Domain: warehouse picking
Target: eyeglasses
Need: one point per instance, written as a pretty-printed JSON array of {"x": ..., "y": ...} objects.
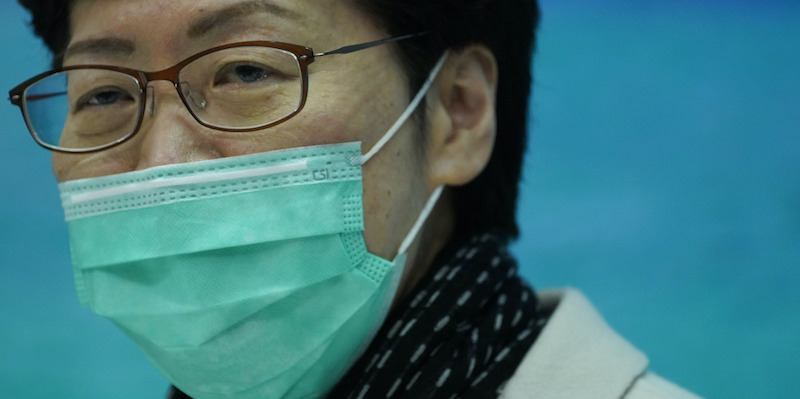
[{"x": 238, "y": 87}]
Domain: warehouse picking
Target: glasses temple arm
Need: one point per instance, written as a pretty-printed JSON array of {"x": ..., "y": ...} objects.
[{"x": 356, "y": 47}]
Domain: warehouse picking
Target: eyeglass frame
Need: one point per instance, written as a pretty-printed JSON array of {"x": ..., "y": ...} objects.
[{"x": 304, "y": 56}]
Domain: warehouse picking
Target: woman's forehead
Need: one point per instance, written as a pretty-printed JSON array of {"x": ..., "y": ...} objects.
[
  {"x": 199, "y": 17},
  {"x": 181, "y": 27}
]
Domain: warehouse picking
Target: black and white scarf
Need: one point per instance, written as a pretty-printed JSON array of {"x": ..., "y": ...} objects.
[{"x": 461, "y": 333}]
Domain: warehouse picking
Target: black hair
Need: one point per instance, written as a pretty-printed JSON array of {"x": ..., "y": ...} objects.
[
  {"x": 506, "y": 27},
  {"x": 50, "y": 21}
]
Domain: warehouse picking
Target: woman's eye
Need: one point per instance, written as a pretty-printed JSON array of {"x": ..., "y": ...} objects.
[
  {"x": 242, "y": 73},
  {"x": 249, "y": 73},
  {"x": 104, "y": 97}
]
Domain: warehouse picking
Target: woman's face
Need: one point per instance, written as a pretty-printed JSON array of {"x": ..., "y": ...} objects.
[{"x": 353, "y": 97}]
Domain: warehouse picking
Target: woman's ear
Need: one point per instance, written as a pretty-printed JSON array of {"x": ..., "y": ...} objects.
[{"x": 462, "y": 116}]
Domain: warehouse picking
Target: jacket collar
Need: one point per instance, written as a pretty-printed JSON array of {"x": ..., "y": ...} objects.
[{"x": 577, "y": 355}]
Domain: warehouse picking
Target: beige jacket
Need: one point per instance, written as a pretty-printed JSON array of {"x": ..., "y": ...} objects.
[{"x": 578, "y": 356}]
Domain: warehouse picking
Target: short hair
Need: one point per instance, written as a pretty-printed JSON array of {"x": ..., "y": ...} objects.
[{"x": 506, "y": 27}]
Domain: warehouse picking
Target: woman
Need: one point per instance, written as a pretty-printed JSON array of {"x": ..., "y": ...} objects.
[{"x": 251, "y": 187}]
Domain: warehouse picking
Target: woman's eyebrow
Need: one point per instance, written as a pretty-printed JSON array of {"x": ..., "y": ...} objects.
[
  {"x": 218, "y": 19},
  {"x": 105, "y": 46}
]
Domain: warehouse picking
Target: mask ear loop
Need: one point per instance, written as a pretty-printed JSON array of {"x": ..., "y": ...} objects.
[
  {"x": 423, "y": 216},
  {"x": 428, "y": 208},
  {"x": 406, "y": 114}
]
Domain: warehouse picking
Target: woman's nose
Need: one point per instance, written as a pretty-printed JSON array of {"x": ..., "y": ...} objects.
[{"x": 169, "y": 134}]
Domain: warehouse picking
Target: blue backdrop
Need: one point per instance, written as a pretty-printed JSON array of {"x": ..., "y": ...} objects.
[{"x": 663, "y": 179}]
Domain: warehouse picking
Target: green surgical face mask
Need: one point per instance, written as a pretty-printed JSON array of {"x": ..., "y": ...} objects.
[{"x": 242, "y": 277}]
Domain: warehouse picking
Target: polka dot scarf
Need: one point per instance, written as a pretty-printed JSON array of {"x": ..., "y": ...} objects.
[{"x": 461, "y": 334}]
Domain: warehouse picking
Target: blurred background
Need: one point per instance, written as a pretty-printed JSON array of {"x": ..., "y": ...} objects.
[{"x": 662, "y": 179}]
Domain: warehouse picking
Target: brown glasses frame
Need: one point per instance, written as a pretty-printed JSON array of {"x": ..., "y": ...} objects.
[{"x": 303, "y": 55}]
